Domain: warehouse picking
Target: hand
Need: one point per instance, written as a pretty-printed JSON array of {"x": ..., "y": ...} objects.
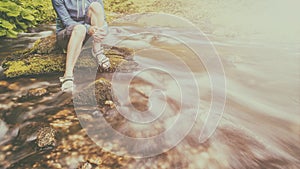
[
  {"x": 92, "y": 30},
  {"x": 97, "y": 33}
]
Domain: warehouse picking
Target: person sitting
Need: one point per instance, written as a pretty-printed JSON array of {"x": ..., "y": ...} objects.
[{"x": 77, "y": 20}]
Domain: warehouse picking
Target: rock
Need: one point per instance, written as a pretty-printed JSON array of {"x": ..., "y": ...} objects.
[
  {"x": 4, "y": 83},
  {"x": 14, "y": 86},
  {"x": 46, "y": 137},
  {"x": 27, "y": 132},
  {"x": 45, "y": 57},
  {"x": 3, "y": 86},
  {"x": 102, "y": 89},
  {"x": 1, "y": 72},
  {"x": 37, "y": 92},
  {"x": 86, "y": 166},
  {"x": 110, "y": 103},
  {"x": 3, "y": 129},
  {"x": 95, "y": 160},
  {"x": 64, "y": 121},
  {"x": 31, "y": 94},
  {"x": 6, "y": 106},
  {"x": 43, "y": 136},
  {"x": 36, "y": 64}
]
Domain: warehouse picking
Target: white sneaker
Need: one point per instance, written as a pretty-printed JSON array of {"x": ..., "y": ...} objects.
[{"x": 67, "y": 84}]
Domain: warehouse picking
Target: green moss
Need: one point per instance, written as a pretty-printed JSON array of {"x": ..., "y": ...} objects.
[
  {"x": 48, "y": 64},
  {"x": 120, "y": 51},
  {"x": 117, "y": 8},
  {"x": 34, "y": 65},
  {"x": 46, "y": 57},
  {"x": 115, "y": 61}
]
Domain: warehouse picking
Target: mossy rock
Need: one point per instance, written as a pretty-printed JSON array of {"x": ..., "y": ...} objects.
[
  {"x": 36, "y": 64},
  {"x": 102, "y": 90},
  {"x": 45, "y": 57}
]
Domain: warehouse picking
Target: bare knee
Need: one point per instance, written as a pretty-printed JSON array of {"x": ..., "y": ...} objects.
[
  {"x": 96, "y": 8},
  {"x": 79, "y": 31}
]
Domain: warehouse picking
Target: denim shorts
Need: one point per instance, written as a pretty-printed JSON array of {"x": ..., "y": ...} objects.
[{"x": 63, "y": 37}]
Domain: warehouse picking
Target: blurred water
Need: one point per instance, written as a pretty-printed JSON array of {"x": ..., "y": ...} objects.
[{"x": 260, "y": 127}]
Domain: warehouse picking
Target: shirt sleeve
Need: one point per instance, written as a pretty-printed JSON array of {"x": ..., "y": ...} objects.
[{"x": 63, "y": 13}]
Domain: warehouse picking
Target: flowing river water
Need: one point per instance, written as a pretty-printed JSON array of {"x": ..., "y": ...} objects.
[{"x": 260, "y": 127}]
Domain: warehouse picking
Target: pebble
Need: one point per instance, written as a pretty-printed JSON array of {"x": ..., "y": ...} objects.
[
  {"x": 5, "y": 148},
  {"x": 4, "y": 83},
  {"x": 36, "y": 165},
  {"x": 2, "y": 157},
  {"x": 6, "y": 106},
  {"x": 37, "y": 92},
  {"x": 46, "y": 137},
  {"x": 95, "y": 160},
  {"x": 1, "y": 71},
  {"x": 86, "y": 166},
  {"x": 32, "y": 79},
  {"x": 96, "y": 114},
  {"x": 56, "y": 165},
  {"x": 110, "y": 103},
  {"x": 14, "y": 86}
]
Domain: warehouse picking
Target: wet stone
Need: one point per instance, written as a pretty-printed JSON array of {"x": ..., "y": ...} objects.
[
  {"x": 33, "y": 79},
  {"x": 6, "y": 106},
  {"x": 102, "y": 91},
  {"x": 110, "y": 103},
  {"x": 38, "y": 92},
  {"x": 128, "y": 67},
  {"x": 27, "y": 133},
  {"x": 46, "y": 137},
  {"x": 14, "y": 86},
  {"x": 3, "y": 86},
  {"x": 95, "y": 160},
  {"x": 3, "y": 129},
  {"x": 34, "y": 93},
  {"x": 86, "y": 166},
  {"x": 56, "y": 165}
]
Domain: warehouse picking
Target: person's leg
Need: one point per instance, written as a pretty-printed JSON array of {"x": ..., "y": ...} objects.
[
  {"x": 97, "y": 21},
  {"x": 75, "y": 36},
  {"x": 96, "y": 13},
  {"x": 74, "y": 48}
]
